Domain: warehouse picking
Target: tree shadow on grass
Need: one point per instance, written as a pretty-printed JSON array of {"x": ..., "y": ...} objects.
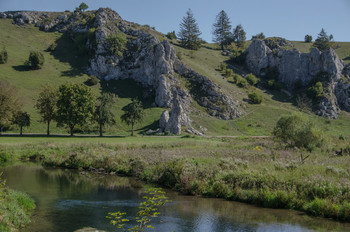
[
  {"x": 66, "y": 52},
  {"x": 22, "y": 68}
]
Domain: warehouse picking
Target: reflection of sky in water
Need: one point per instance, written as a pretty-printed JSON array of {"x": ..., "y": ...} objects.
[
  {"x": 69, "y": 204},
  {"x": 67, "y": 201}
]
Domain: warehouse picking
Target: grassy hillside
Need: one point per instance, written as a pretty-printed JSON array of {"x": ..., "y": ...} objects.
[
  {"x": 61, "y": 66},
  {"x": 65, "y": 65},
  {"x": 260, "y": 119}
]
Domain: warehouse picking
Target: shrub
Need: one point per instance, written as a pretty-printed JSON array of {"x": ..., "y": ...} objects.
[
  {"x": 179, "y": 55},
  {"x": 315, "y": 91},
  {"x": 298, "y": 131},
  {"x": 252, "y": 80},
  {"x": 228, "y": 72},
  {"x": 308, "y": 39},
  {"x": 255, "y": 98},
  {"x": 52, "y": 47},
  {"x": 171, "y": 35},
  {"x": 3, "y": 56},
  {"x": 116, "y": 44},
  {"x": 240, "y": 81},
  {"x": 92, "y": 81},
  {"x": 222, "y": 66},
  {"x": 36, "y": 60},
  {"x": 238, "y": 56}
]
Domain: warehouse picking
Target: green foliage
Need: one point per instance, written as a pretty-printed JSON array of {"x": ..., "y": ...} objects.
[
  {"x": 228, "y": 73},
  {"x": 75, "y": 105},
  {"x": 222, "y": 29},
  {"x": 252, "y": 79},
  {"x": 315, "y": 91},
  {"x": 9, "y": 103},
  {"x": 103, "y": 110},
  {"x": 171, "y": 35},
  {"x": 3, "y": 56},
  {"x": 274, "y": 85},
  {"x": 52, "y": 47},
  {"x": 308, "y": 39},
  {"x": 258, "y": 36},
  {"x": 189, "y": 32},
  {"x": 81, "y": 40},
  {"x": 36, "y": 60},
  {"x": 21, "y": 119},
  {"x": 15, "y": 209},
  {"x": 222, "y": 66},
  {"x": 93, "y": 80},
  {"x": 133, "y": 113},
  {"x": 46, "y": 105},
  {"x": 239, "y": 36},
  {"x": 148, "y": 209},
  {"x": 83, "y": 6},
  {"x": 116, "y": 44},
  {"x": 298, "y": 131},
  {"x": 240, "y": 81},
  {"x": 255, "y": 98},
  {"x": 238, "y": 56},
  {"x": 323, "y": 41}
]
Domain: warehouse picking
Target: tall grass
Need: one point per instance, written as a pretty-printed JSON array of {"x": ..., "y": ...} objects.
[{"x": 249, "y": 170}]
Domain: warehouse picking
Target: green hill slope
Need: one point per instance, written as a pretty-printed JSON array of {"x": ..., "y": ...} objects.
[
  {"x": 61, "y": 66},
  {"x": 65, "y": 65}
]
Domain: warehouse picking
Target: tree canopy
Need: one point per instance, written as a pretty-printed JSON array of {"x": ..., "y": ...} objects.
[
  {"x": 239, "y": 36},
  {"x": 189, "y": 32},
  {"x": 133, "y": 113},
  {"x": 83, "y": 6},
  {"x": 103, "y": 110},
  {"x": 116, "y": 44},
  {"x": 9, "y": 103},
  {"x": 21, "y": 119},
  {"x": 46, "y": 105},
  {"x": 75, "y": 105},
  {"x": 323, "y": 41},
  {"x": 222, "y": 29}
]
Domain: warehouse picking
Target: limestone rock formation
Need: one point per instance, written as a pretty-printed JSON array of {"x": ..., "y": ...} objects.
[
  {"x": 148, "y": 59},
  {"x": 295, "y": 66}
]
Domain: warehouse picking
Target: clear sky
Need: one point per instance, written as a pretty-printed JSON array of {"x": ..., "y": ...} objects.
[{"x": 289, "y": 19}]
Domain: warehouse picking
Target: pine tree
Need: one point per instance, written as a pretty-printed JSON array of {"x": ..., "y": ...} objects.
[
  {"x": 239, "y": 36},
  {"x": 222, "y": 29},
  {"x": 189, "y": 32},
  {"x": 323, "y": 41}
]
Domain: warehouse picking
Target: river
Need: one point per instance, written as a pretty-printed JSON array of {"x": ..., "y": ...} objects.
[{"x": 68, "y": 200}]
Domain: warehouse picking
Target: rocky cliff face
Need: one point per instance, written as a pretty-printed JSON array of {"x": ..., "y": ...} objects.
[
  {"x": 146, "y": 59},
  {"x": 294, "y": 66}
]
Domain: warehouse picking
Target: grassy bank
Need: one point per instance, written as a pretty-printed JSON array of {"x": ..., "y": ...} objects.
[
  {"x": 15, "y": 209},
  {"x": 250, "y": 170}
]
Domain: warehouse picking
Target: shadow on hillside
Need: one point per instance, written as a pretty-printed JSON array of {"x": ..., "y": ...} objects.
[
  {"x": 21, "y": 68},
  {"x": 347, "y": 58},
  {"x": 129, "y": 88},
  {"x": 66, "y": 52}
]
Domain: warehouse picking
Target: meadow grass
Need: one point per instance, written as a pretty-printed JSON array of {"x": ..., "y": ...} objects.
[{"x": 252, "y": 170}]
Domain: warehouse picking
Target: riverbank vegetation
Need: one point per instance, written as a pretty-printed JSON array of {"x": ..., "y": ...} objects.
[
  {"x": 15, "y": 208},
  {"x": 252, "y": 170}
]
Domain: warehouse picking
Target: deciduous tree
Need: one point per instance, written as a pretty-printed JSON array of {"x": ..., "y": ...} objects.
[
  {"x": 21, "y": 119},
  {"x": 133, "y": 113},
  {"x": 75, "y": 105},
  {"x": 9, "y": 103},
  {"x": 103, "y": 110},
  {"x": 239, "y": 36},
  {"x": 46, "y": 104}
]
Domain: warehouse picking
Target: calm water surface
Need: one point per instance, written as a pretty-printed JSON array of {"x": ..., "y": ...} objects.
[{"x": 67, "y": 201}]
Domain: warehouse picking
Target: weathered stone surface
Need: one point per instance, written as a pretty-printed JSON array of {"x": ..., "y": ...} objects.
[
  {"x": 163, "y": 121},
  {"x": 296, "y": 66},
  {"x": 150, "y": 62}
]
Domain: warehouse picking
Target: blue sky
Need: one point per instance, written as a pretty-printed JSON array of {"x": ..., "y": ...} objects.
[{"x": 288, "y": 19}]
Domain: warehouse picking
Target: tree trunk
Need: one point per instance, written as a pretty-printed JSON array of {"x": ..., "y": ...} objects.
[
  {"x": 101, "y": 130},
  {"x": 48, "y": 128},
  {"x": 132, "y": 129},
  {"x": 20, "y": 131},
  {"x": 71, "y": 130}
]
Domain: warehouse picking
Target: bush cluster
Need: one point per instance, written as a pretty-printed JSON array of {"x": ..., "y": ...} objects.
[
  {"x": 3, "y": 56},
  {"x": 36, "y": 60},
  {"x": 255, "y": 98}
]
